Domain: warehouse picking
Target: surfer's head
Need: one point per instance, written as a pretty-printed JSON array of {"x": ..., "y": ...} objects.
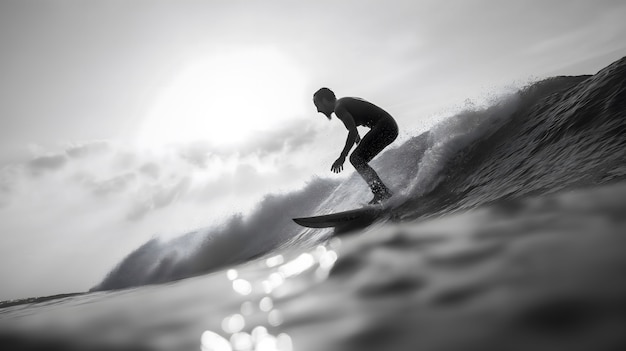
[{"x": 324, "y": 99}]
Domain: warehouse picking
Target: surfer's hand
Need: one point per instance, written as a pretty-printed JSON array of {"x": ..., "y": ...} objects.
[{"x": 338, "y": 165}]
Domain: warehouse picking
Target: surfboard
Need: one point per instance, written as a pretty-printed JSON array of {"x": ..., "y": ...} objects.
[{"x": 360, "y": 217}]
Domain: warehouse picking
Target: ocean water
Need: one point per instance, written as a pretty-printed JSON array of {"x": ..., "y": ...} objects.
[{"x": 506, "y": 233}]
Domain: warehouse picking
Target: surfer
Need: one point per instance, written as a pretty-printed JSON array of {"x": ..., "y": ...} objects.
[{"x": 355, "y": 112}]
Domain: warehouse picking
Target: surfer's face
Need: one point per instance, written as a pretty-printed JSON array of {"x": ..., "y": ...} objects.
[{"x": 324, "y": 106}]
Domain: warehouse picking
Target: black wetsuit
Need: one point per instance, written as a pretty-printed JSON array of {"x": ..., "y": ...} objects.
[{"x": 383, "y": 131}]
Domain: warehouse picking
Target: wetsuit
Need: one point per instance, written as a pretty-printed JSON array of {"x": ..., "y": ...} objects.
[{"x": 383, "y": 131}]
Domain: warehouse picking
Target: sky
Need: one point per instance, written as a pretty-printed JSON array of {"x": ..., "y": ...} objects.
[{"x": 124, "y": 120}]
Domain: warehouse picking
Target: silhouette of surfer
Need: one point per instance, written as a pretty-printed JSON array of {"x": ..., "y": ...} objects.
[{"x": 355, "y": 112}]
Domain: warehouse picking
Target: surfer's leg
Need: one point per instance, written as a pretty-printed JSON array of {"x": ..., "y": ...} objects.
[
  {"x": 371, "y": 145},
  {"x": 368, "y": 174}
]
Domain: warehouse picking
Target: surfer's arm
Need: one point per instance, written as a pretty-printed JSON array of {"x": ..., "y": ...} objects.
[
  {"x": 353, "y": 133},
  {"x": 353, "y": 136}
]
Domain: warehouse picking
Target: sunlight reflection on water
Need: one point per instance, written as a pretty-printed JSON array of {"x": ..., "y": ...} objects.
[{"x": 279, "y": 276}]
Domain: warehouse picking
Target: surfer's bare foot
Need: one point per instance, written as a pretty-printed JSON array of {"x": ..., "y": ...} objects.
[{"x": 380, "y": 197}]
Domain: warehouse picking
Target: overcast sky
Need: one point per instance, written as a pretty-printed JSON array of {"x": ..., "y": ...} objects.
[{"x": 90, "y": 88}]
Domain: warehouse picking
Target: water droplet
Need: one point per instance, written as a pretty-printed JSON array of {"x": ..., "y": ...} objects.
[
  {"x": 241, "y": 342},
  {"x": 276, "y": 280},
  {"x": 266, "y": 304},
  {"x": 320, "y": 250},
  {"x": 297, "y": 265},
  {"x": 233, "y": 324},
  {"x": 247, "y": 308},
  {"x": 258, "y": 333},
  {"x": 266, "y": 343},
  {"x": 211, "y": 341},
  {"x": 284, "y": 342},
  {"x": 328, "y": 259},
  {"x": 275, "y": 318},
  {"x": 275, "y": 261},
  {"x": 241, "y": 286},
  {"x": 267, "y": 286},
  {"x": 232, "y": 274}
]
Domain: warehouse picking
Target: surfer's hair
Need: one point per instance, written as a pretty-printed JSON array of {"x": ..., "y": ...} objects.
[{"x": 325, "y": 93}]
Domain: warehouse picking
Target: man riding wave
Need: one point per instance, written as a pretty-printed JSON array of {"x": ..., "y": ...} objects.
[{"x": 355, "y": 112}]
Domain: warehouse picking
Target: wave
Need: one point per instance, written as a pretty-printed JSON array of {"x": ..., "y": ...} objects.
[
  {"x": 559, "y": 133},
  {"x": 238, "y": 240},
  {"x": 567, "y": 133}
]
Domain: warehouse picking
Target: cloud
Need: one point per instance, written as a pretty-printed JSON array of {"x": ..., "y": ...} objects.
[
  {"x": 196, "y": 154},
  {"x": 116, "y": 184},
  {"x": 87, "y": 149},
  {"x": 139, "y": 182},
  {"x": 291, "y": 137},
  {"x": 150, "y": 169},
  {"x": 245, "y": 178},
  {"x": 46, "y": 163},
  {"x": 157, "y": 196},
  {"x": 128, "y": 178},
  {"x": 7, "y": 184}
]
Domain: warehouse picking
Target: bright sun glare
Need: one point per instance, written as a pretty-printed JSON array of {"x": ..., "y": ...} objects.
[{"x": 225, "y": 99}]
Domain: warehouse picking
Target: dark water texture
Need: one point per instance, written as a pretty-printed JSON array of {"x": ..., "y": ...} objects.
[{"x": 567, "y": 132}]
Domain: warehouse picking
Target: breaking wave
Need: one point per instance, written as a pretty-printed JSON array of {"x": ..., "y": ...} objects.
[{"x": 558, "y": 133}]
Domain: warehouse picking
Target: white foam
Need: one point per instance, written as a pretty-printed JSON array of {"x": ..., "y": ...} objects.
[{"x": 452, "y": 135}]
